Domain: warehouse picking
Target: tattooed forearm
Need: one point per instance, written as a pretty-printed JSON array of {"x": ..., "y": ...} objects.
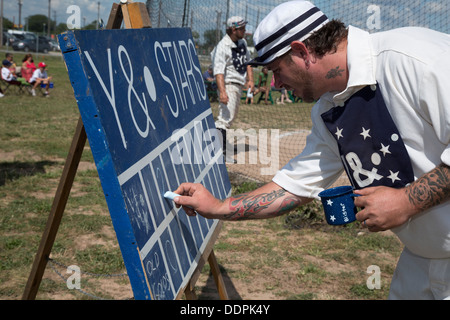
[
  {"x": 288, "y": 204},
  {"x": 247, "y": 206},
  {"x": 431, "y": 189}
]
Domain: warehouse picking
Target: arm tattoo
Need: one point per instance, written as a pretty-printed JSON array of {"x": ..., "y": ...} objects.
[
  {"x": 333, "y": 73},
  {"x": 246, "y": 206},
  {"x": 431, "y": 189}
]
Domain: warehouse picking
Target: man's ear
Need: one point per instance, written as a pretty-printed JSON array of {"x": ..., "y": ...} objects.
[{"x": 300, "y": 49}]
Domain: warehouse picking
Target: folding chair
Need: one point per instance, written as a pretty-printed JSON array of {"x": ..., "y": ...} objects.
[
  {"x": 19, "y": 85},
  {"x": 263, "y": 95},
  {"x": 294, "y": 98},
  {"x": 3, "y": 85}
]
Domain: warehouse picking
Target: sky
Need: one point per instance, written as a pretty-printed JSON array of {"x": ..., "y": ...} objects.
[
  {"x": 88, "y": 9},
  {"x": 203, "y": 13}
]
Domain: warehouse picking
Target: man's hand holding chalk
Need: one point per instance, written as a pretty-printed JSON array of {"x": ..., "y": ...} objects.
[
  {"x": 195, "y": 198},
  {"x": 171, "y": 195}
]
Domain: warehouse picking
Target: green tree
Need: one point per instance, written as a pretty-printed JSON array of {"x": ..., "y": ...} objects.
[
  {"x": 60, "y": 28},
  {"x": 36, "y": 23},
  {"x": 91, "y": 26},
  {"x": 195, "y": 35},
  {"x": 210, "y": 37},
  {"x": 7, "y": 24}
]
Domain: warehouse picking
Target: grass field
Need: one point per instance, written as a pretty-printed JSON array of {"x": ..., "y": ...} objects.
[{"x": 297, "y": 256}]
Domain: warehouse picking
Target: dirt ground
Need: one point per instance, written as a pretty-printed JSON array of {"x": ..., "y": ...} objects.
[{"x": 244, "y": 277}]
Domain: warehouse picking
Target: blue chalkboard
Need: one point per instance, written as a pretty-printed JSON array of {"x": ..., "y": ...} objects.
[{"x": 147, "y": 116}]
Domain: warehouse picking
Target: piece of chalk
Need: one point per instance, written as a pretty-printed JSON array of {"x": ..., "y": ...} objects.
[{"x": 170, "y": 195}]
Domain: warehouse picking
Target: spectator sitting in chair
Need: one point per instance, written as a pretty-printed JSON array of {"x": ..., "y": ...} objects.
[
  {"x": 208, "y": 75},
  {"x": 13, "y": 67},
  {"x": 40, "y": 76},
  {"x": 28, "y": 67},
  {"x": 283, "y": 92},
  {"x": 8, "y": 75}
]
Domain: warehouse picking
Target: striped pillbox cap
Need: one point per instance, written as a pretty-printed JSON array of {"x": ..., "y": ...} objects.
[
  {"x": 236, "y": 22},
  {"x": 290, "y": 21}
]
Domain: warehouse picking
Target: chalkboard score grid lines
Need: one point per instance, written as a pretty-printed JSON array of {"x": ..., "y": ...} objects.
[
  {"x": 150, "y": 128},
  {"x": 153, "y": 176}
]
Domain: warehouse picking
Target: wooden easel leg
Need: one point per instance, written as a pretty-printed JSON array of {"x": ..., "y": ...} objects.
[
  {"x": 56, "y": 213},
  {"x": 217, "y": 276},
  {"x": 133, "y": 15},
  {"x": 115, "y": 17},
  {"x": 190, "y": 292}
]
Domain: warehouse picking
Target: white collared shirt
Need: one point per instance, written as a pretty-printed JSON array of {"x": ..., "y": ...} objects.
[
  {"x": 222, "y": 60},
  {"x": 412, "y": 68}
]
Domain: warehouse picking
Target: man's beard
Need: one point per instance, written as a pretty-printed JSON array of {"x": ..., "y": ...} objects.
[{"x": 306, "y": 89}]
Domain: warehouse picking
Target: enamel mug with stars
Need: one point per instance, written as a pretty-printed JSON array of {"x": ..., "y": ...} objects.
[{"x": 338, "y": 205}]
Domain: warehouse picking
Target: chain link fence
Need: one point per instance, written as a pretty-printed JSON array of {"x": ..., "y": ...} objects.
[{"x": 269, "y": 135}]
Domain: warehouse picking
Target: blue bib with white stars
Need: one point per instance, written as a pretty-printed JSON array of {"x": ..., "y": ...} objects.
[
  {"x": 239, "y": 54},
  {"x": 371, "y": 148}
]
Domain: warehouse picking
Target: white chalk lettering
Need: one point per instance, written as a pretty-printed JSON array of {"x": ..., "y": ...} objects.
[
  {"x": 159, "y": 48},
  {"x": 109, "y": 94},
  {"x": 175, "y": 61},
  {"x": 201, "y": 88},
  {"x": 167, "y": 46},
  {"x": 183, "y": 76},
  {"x": 144, "y": 106},
  {"x": 160, "y": 287}
]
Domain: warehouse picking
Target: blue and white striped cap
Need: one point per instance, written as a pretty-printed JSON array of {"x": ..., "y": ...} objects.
[
  {"x": 236, "y": 22},
  {"x": 290, "y": 21}
]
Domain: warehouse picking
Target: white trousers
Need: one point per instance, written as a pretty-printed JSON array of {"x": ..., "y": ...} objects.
[
  {"x": 228, "y": 112},
  {"x": 417, "y": 278}
]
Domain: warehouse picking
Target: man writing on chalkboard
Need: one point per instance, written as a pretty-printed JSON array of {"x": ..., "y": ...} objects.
[
  {"x": 383, "y": 116},
  {"x": 229, "y": 59}
]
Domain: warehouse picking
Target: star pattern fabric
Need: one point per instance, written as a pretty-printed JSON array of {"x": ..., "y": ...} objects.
[
  {"x": 371, "y": 148},
  {"x": 239, "y": 54}
]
